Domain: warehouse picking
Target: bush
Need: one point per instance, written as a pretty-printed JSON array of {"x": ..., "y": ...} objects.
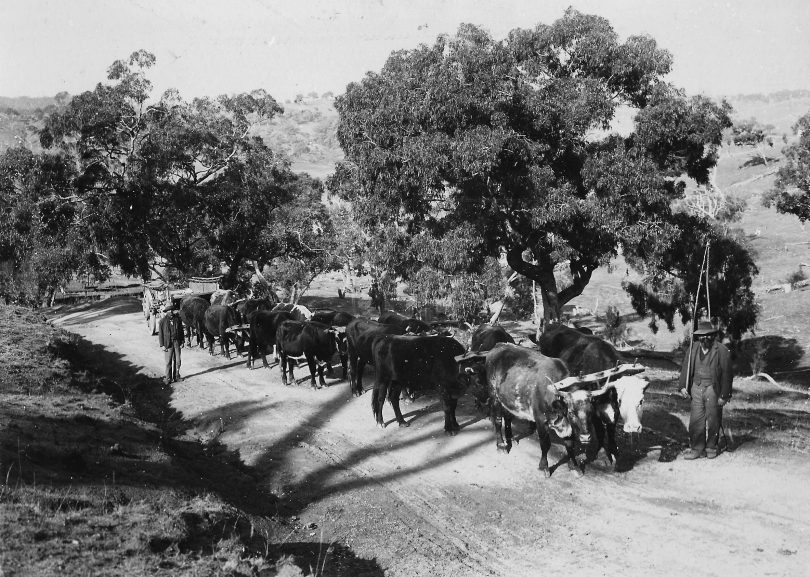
[
  {"x": 796, "y": 276},
  {"x": 615, "y": 327}
]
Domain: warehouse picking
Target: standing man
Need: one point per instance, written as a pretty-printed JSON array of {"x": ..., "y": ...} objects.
[
  {"x": 376, "y": 296},
  {"x": 706, "y": 377},
  {"x": 170, "y": 337}
]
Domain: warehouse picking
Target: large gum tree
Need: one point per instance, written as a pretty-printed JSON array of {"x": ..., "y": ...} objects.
[
  {"x": 507, "y": 144},
  {"x": 180, "y": 183}
]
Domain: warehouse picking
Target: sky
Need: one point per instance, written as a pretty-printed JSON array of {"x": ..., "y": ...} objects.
[{"x": 287, "y": 47}]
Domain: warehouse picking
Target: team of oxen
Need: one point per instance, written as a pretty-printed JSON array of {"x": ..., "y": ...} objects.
[{"x": 568, "y": 382}]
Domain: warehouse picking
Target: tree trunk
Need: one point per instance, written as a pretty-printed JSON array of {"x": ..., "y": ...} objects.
[
  {"x": 542, "y": 271},
  {"x": 543, "y": 274}
]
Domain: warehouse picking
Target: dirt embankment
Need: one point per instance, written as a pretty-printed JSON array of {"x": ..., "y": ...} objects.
[{"x": 414, "y": 502}]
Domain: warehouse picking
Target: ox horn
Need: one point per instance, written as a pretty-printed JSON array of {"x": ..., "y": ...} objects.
[
  {"x": 471, "y": 356},
  {"x": 604, "y": 389}
]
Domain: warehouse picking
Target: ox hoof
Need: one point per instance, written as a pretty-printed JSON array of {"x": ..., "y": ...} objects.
[
  {"x": 451, "y": 433},
  {"x": 546, "y": 472},
  {"x": 404, "y": 424},
  {"x": 504, "y": 448}
]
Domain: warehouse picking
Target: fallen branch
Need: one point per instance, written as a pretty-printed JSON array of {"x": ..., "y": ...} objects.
[{"x": 771, "y": 380}]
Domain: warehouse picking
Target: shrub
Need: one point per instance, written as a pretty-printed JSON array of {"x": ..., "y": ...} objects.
[
  {"x": 615, "y": 327},
  {"x": 796, "y": 276}
]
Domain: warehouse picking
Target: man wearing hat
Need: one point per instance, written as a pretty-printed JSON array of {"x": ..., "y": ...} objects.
[
  {"x": 170, "y": 337},
  {"x": 706, "y": 377}
]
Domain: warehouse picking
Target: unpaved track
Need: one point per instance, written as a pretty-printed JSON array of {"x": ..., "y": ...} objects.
[{"x": 420, "y": 503}]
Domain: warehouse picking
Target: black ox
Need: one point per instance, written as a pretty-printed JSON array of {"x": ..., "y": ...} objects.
[
  {"x": 416, "y": 363},
  {"x": 263, "y": 328},
  {"x": 407, "y": 324},
  {"x": 218, "y": 319},
  {"x": 486, "y": 336},
  {"x": 192, "y": 313},
  {"x": 314, "y": 341},
  {"x": 360, "y": 334}
]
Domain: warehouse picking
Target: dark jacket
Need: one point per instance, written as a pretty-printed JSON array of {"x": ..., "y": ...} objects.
[
  {"x": 719, "y": 360},
  {"x": 170, "y": 330}
]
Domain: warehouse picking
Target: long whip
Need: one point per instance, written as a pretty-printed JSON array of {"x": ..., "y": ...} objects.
[{"x": 704, "y": 266}]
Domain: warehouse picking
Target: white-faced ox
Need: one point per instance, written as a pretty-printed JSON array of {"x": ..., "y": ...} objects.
[
  {"x": 586, "y": 354},
  {"x": 520, "y": 382}
]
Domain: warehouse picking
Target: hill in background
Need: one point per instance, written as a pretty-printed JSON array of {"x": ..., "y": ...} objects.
[{"x": 305, "y": 132}]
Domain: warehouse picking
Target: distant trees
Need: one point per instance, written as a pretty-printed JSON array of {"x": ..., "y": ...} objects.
[
  {"x": 500, "y": 147},
  {"x": 791, "y": 192},
  {"x": 751, "y": 133}
]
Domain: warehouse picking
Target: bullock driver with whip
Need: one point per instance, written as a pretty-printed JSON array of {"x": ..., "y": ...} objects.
[
  {"x": 706, "y": 377},
  {"x": 170, "y": 337}
]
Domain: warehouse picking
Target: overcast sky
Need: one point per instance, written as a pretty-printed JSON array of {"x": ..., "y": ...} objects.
[{"x": 210, "y": 47}]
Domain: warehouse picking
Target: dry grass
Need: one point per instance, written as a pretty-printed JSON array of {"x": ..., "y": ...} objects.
[{"x": 87, "y": 488}]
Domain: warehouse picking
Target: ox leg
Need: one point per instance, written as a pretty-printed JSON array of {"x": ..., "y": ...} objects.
[
  {"x": 290, "y": 364},
  {"x": 573, "y": 464},
  {"x": 497, "y": 415},
  {"x": 344, "y": 365},
  {"x": 351, "y": 366},
  {"x": 315, "y": 367},
  {"x": 605, "y": 439},
  {"x": 449, "y": 404},
  {"x": 393, "y": 397},
  {"x": 611, "y": 448},
  {"x": 378, "y": 394},
  {"x": 545, "y": 445},
  {"x": 210, "y": 339},
  {"x": 283, "y": 366},
  {"x": 224, "y": 345},
  {"x": 358, "y": 376},
  {"x": 239, "y": 343},
  {"x": 252, "y": 353}
]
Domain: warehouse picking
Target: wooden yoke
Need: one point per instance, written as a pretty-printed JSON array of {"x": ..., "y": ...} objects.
[{"x": 624, "y": 369}]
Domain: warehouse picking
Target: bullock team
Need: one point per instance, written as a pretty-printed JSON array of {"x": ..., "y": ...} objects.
[{"x": 570, "y": 382}]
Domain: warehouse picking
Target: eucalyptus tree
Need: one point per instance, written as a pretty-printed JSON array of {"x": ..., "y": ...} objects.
[
  {"x": 171, "y": 181},
  {"x": 507, "y": 144},
  {"x": 43, "y": 241}
]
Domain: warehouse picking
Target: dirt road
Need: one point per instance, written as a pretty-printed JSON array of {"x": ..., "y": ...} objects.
[{"x": 414, "y": 502}]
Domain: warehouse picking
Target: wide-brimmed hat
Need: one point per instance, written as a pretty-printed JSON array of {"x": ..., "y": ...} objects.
[
  {"x": 168, "y": 307},
  {"x": 704, "y": 328}
]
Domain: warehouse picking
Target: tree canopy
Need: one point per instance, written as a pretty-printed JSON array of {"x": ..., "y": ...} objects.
[
  {"x": 180, "y": 183},
  {"x": 43, "y": 241},
  {"x": 507, "y": 145}
]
